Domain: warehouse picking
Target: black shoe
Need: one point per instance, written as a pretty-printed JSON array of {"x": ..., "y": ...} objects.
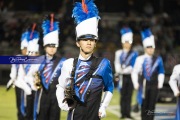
[
  {"x": 130, "y": 118},
  {"x": 135, "y": 108},
  {"x": 122, "y": 117}
]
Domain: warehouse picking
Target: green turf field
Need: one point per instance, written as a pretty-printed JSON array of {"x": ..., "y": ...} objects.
[{"x": 8, "y": 106}]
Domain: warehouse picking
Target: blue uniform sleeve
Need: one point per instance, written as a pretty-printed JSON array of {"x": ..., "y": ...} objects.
[
  {"x": 135, "y": 54},
  {"x": 58, "y": 68},
  {"x": 107, "y": 75},
  {"x": 61, "y": 61},
  {"x": 161, "y": 66}
]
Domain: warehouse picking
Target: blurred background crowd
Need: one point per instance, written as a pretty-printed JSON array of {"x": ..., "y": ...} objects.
[{"x": 161, "y": 15}]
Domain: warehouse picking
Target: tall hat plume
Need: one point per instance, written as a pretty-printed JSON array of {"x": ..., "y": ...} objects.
[
  {"x": 147, "y": 38},
  {"x": 50, "y": 31},
  {"x": 126, "y": 35},
  {"x": 33, "y": 39},
  {"x": 86, "y": 17}
]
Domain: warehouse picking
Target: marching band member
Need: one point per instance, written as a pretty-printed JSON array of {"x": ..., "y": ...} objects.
[
  {"x": 17, "y": 78},
  {"x": 45, "y": 104},
  {"x": 151, "y": 69},
  {"x": 84, "y": 78},
  {"x": 124, "y": 62},
  {"x": 174, "y": 83}
]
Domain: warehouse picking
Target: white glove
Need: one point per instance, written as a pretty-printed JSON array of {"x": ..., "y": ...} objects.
[
  {"x": 136, "y": 86},
  {"x": 127, "y": 70},
  {"x": 64, "y": 106},
  {"x": 23, "y": 85},
  {"x": 60, "y": 98},
  {"x": 177, "y": 93},
  {"x": 20, "y": 82},
  {"x": 30, "y": 80},
  {"x": 160, "y": 86},
  {"x": 102, "y": 112},
  {"x": 134, "y": 77},
  {"x": 10, "y": 83},
  {"x": 105, "y": 102},
  {"x": 160, "y": 81},
  {"x": 174, "y": 87}
]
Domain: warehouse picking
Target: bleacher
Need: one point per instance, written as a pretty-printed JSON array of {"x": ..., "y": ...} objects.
[{"x": 164, "y": 27}]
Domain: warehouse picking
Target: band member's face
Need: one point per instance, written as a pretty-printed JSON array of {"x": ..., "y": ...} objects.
[
  {"x": 50, "y": 50},
  {"x": 149, "y": 50},
  {"x": 86, "y": 45},
  {"x": 126, "y": 45},
  {"x": 24, "y": 51}
]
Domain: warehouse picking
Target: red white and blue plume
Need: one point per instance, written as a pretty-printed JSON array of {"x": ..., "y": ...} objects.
[
  {"x": 33, "y": 39},
  {"x": 50, "y": 31},
  {"x": 126, "y": 35},
  {"x": 147, "y": 38},
  {"x": 86, "y": 17}
]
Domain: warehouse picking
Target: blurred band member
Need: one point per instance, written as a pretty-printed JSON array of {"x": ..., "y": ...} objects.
[
  {"x": 124, "y": 62},
  {"x": 45, "y": 104},
  {"x": 32, "y": 50},
  {"x": 174, "y": 83},
  {"x": 21, "y": 87},
  {"x": 151, "y": 68}
]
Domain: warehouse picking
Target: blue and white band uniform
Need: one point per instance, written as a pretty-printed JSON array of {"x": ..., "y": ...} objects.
[
  {"x": 52, "y": 81},
  {"x": 124, "y": 65},
  {"x": 144, "y": 67},
  {"x": 157, "y": 67},
  {"x": 39, "y": 67},
  {"x": 174, "y": 83},
  {"x": 102, "y": 70},
  {"x": 104, "y": 82}
]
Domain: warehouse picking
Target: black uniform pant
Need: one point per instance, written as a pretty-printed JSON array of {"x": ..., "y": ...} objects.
[
  {"x": 88, "y": 110},
  {"x": 29, "y": 107},
  {"x": 18, "y": 103},
  {"x": 148, "y": 104},
  {"x": 82, "y": 113},
  {"x": 49, "y": 108},
  {"x": 126, "y": 95}
]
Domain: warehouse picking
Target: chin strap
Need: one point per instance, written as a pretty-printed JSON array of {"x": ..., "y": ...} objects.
[{"x": 104, "y": 104}]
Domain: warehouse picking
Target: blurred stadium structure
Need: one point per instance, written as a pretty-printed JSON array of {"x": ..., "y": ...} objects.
[{"x": 163, "y": 20}]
